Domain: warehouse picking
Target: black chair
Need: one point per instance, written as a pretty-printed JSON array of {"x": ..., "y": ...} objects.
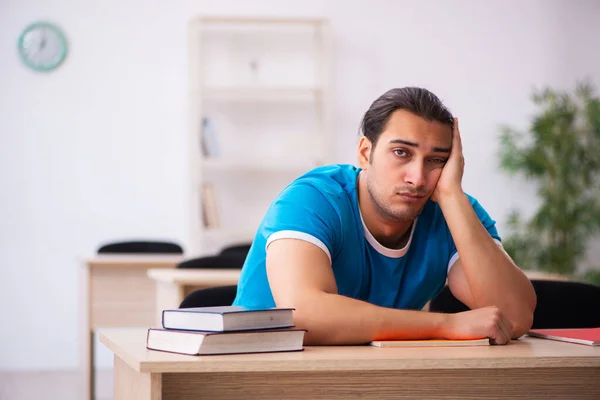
[
  {"x": 210, "y": 297},
  {"x": 445, "y": 302},
  {"x": 560, "y": 304},
  {"x": 230, "y": 257},
  {"x": 566, "y": 305},
  {"x": 237, "y": 249},
  {"x": 140, "y": 247}
]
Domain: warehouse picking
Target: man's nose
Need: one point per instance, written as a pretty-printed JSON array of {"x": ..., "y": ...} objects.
[{"x": 415, "y": 175}]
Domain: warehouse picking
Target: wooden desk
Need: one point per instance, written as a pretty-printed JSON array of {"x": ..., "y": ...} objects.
[
  {"x": 115, "y": 292},
  {"x": 525, "y": 369},
  {"x": 172, "y": 285}
]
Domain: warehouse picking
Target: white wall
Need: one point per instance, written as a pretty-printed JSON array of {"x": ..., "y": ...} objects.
[{"x": 97, "y": 149}]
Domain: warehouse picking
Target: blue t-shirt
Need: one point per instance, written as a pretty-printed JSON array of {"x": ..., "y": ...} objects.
[{"x": 322, "y": 207}]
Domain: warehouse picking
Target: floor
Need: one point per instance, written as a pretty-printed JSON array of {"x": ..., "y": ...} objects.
[{"x": 51, "y": 385}]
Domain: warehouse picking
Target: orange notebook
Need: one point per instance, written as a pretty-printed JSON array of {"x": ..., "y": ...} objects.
[
  {"x": 589, "y": 336},
  {"x": 431, "y": 343}
]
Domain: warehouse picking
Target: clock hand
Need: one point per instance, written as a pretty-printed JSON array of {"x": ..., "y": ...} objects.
[{"x": 43, "y": 41}]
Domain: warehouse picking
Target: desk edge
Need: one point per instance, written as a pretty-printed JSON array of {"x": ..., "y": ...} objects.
[
  {"x": 343, "y": 365},
  {"x": 119, "y": 352}
]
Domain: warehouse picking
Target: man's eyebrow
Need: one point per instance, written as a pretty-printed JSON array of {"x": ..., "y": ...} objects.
[
  {"x": 412, "y": 144},
  {"x": 406, "y": 142}
]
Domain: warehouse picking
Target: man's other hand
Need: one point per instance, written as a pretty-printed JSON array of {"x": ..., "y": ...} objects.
[
  {"x": 450, "y": 181},
  {"x": 479, "y": 323}
]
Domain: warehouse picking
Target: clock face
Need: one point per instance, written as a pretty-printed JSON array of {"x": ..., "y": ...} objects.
[{"x": 42, "y": 46}]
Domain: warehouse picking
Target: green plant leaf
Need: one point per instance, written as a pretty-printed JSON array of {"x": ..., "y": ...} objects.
[{"x": 560, "y": 152}]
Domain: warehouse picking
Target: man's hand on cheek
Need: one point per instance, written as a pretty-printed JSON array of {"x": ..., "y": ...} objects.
[{"x": 450, "y": 182}]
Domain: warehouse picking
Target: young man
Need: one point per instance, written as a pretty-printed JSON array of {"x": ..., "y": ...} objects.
[{"x": 358, "y": 252}]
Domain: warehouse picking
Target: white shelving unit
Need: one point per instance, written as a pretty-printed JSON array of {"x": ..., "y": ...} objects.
[{"x": 264, "y": 87}]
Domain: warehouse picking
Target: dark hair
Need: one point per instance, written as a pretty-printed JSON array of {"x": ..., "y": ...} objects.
[{"x": 418, "y": 101}]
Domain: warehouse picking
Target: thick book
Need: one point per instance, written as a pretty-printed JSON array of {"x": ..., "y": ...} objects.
[
  {"x": 213, "y": 343},
  {"x": 589, "y": 336},
  {"x": 431, "y": 343},
  {"x": 227, "y": 318}
]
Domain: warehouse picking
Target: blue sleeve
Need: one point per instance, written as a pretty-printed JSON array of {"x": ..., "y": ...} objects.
[
  {"x": 488, "y": 223},
  {"x": 303, "y": 208}
]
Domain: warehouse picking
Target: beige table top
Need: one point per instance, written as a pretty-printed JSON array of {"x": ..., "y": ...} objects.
[
  {"x": 141, "y": 260},
  {"x": 195, "y": 276},
  {"x": 129, "y": 345}
]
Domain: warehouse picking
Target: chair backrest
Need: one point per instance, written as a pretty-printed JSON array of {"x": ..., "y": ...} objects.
[
  {"x": 566, "y": 304},
  {"x": 140, "y": 247},
  {"x": 560, "y": 304},
  {"x": 232, "y": 256},
  {"x": 241, "y": 249},
  {"x": 445, "y": 302},
  {"x": 210, "y": 297},
  {"x": 233, "y": 260}
]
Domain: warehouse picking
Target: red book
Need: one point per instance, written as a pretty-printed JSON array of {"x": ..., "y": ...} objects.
[{"x": 589, "y": 336}]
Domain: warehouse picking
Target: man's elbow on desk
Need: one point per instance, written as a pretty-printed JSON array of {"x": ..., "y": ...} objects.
[
  {"x": 522, "y": 310},
  {"x": 520, "y": 315},
  {"x": 523, "y": 321},
  {"x": 518, "y": 311}
]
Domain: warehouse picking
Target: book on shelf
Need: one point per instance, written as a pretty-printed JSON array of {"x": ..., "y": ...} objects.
[
  {"x": 210, "y": 209},
  {"x": 431, "y": 343},
  {"x": 213, "y": 343},
  {"x": 588, "y": 336},
  {"x": 227, "y": 318},
  {"x": 210, "y": 143}
]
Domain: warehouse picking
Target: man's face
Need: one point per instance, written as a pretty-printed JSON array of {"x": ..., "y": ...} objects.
[{"x": 405, "y": 165}]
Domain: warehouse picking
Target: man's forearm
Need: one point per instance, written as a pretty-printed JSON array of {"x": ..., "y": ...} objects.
[
  {"x": 333, "y": 319},
  {"x": 492, "y": 276}
]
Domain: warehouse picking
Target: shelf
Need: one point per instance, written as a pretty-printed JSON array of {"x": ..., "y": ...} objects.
[
  {"x": 261, "y": 93},
  {"x": 261, "y": 165},
  {"x": 265, "y": 83},
  {"x": 277, "y": 21}
]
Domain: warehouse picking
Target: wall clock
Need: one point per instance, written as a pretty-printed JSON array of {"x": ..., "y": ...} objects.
[{"x": 42, "y": 46}]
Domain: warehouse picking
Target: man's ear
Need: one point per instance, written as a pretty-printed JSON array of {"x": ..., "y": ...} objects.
[{"x": 364, "y": 152}]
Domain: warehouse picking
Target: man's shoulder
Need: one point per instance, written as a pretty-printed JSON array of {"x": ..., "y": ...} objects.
[
  {"x": 329, "y": 179},
  {"x": 471, "y": 198},
  {"x": 476, "y": 204},
  {"x": 327, "y": 192}
]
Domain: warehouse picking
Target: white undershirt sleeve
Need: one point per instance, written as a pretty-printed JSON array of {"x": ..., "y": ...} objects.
[{"x": 301, "y": 236}]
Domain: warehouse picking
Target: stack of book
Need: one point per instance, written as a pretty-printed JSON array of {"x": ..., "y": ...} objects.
[{"x": 226, "y": 330}]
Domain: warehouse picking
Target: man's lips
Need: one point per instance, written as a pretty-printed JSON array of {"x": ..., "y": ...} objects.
[{"x": 411, "y": 198}]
